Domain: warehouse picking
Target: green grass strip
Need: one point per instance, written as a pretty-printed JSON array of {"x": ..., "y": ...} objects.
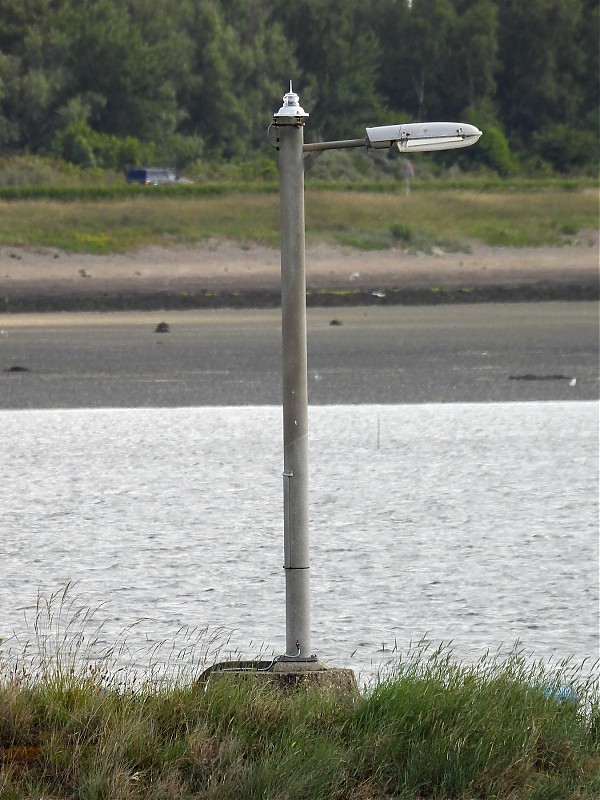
[{"x": 171, "y": 216}]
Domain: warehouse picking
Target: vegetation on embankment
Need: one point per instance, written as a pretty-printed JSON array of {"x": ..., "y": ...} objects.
[
  {"x": 431, "y": 729},
  {"x": 198, "y": 81},
  {"x": 112, "y": 219},
  {"x": 77, "y": 722}
]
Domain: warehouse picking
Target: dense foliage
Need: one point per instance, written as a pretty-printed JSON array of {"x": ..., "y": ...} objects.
[{"x": 115, "y": 82}]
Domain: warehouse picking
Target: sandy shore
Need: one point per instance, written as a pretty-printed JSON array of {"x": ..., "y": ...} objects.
[{"x": 223, "y": 269}]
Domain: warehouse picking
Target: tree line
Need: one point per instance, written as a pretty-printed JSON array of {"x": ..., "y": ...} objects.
[{"x": 112, "y": 83}]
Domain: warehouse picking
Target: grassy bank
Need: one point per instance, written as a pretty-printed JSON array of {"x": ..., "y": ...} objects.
[
  {"x": 432, "y": 729},
  {"x": 77, "y": 726},
  {"x": 448, "y": 217}
]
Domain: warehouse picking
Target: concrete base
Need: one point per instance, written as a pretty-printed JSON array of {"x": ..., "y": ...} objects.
[{"x": 287, "y": 676}]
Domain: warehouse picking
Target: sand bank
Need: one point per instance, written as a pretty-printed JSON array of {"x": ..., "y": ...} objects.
[{"x": 215, "y": 272}]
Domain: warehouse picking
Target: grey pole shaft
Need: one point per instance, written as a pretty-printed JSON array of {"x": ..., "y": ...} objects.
[{"x": 295, "y": 393}]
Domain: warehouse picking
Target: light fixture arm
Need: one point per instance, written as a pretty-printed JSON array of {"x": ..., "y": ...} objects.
[{"x": 339, "y": 145}]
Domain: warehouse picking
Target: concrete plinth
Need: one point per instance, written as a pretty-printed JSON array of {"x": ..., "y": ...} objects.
[{"x": 287, "y": 676}]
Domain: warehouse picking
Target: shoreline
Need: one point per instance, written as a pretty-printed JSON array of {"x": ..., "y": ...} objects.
[{"x": 229, "y": 275}]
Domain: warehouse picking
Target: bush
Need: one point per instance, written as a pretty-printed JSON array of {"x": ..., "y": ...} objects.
[
  {"x": 80, "y": 145},
  {"x": 493, "y": 151},
  {"x": 22, "y": 173},
  {"x": 176, "y": 151},
  {"x": 567, "y": 149},
  {"x": 259, "y": 169}
]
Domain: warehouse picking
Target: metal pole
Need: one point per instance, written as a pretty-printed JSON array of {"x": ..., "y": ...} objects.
[{"x": 290, "y": 124}]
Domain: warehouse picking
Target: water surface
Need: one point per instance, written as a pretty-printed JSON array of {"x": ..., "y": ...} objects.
[{"x": 470, "y": 523}]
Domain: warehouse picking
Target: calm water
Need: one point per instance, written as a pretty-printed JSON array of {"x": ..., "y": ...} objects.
[{"x": 476, "y": 524}]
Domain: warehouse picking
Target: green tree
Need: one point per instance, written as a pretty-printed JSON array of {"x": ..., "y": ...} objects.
[
  {"x": 209, "y": 97},
  {"x": 588, "y": 28},
  {"x": 164, "y": 27},
  {"x": 181, "y": 78},
  {"x": 17, "y": 17},
  {"x": 567, "y": 148},
  {"x": 339, "y": 55},
  {"x": 8, "y": 131},
  {"x": 34, "y": 81},
  {"x": 390, "y": 24},
  {"x": 426, "y": 53},
  {"x": 241, "y": 66},
  {"x": 109, "y": 59},
  {"x": 437, "y": 58},
  {"x": 472, "y": 59},
  {"x": 541, "y": 58}
]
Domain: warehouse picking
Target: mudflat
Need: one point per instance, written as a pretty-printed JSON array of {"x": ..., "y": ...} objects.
[
  {"x": 443, "y": 346},
  {"x": 479, "y": 352}
]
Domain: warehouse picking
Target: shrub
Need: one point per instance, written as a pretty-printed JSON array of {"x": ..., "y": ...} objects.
[
  {"x": 494, "y": 152},
  {"x": 566, "y": 148},
  {"x": 78, "y": 144}
]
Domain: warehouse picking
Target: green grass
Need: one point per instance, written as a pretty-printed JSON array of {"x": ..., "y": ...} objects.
[
  {"x": 74, "y": 726},
  {"x": 113, "y": 227},
  {"x": 447, "y": 218}
]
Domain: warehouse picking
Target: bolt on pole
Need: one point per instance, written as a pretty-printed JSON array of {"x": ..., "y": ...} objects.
[{"x": 289, "y": 122}]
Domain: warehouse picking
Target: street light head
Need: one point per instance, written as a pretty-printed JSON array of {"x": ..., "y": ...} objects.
[{"x": 423, "y": 136}]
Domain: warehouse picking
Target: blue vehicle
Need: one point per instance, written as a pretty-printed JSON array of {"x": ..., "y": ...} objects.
[{"x": 153, "y": 176}]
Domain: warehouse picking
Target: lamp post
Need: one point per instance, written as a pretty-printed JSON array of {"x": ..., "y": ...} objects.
[
  {"x": 289, "y": 124},
  {"x": 290, "y": 127}
]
